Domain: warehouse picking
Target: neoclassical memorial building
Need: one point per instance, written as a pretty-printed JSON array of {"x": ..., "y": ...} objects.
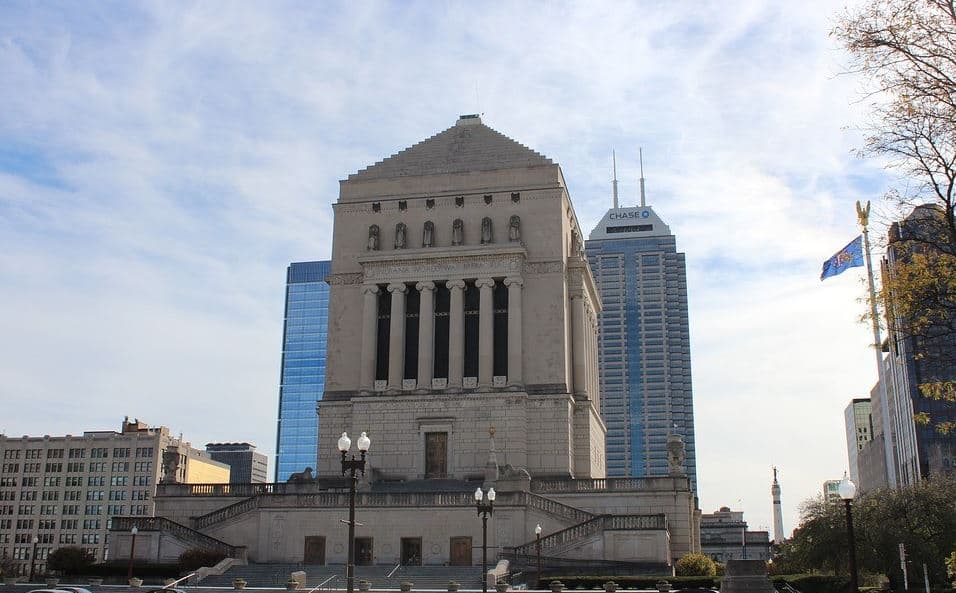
[{"x": 462, "y": 339}]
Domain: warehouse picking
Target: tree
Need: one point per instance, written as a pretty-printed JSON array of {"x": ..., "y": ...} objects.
[
  {"x": 695, "y": 565},
  {"x": 69, "y": 560},
  {"x": 906, "y": 52},
  {"x": 819, "y": 543}
]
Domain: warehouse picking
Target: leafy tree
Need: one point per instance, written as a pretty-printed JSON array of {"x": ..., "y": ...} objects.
[
  {"x": 819, "y": 543},
  {"x": 69, "y": 560},
  {"x": 951, "y": 567},
  {"x": 695, "y": 565},
  {"x": 905, "y": 51},
  {"x": 8, "y": 567}
]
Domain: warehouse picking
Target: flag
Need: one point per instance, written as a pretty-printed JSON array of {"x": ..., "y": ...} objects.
[{"x": 850, "y": 256}]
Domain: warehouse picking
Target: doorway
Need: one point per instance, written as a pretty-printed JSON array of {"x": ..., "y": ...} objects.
[
  {"x": 411, "y": 551},
  {"x": 314, "y": 550},
  {"x": 460, "y": 551},
  {"x": 363, "y": 551}
]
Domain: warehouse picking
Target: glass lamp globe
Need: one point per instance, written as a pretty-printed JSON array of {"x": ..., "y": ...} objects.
[
  {"x": 491, "y": 494},
  {"x": 479, "y": 495},
  {"x": 364, "y": 442},
  {"x": 134, "y": 531},
  {"x": 537, "y": 529},
  {"x": 846, "y": 489},
  {"x": 345, "y": 443}
]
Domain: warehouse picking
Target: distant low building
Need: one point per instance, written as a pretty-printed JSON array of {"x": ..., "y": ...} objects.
[
  {"x": 724, "y": 536},
  {"x": 247, "y": 465},
  {"x": 831, "y": 490},
  {"x": 68, "y": 488}
]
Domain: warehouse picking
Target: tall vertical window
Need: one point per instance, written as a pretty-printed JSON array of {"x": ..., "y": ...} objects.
[
  {"x": 500, "y": 307},
  {"x": 472, "y": 301},
  {"x": 384, "y": 325},
  {"x": 442, "y": 308},
  {"x": 412, "y": 310}
]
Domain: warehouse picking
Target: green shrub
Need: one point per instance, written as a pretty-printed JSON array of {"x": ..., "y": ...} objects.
[
  {"x": 695, "y": 565},
  {"x": 198, "y": 557},
  {"x": 633, "y": 582},
  {"x": 69, "y": 560}
]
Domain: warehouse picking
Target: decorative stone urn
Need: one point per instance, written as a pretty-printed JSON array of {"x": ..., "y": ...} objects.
[
  {"x": 501, "y": 587},
  {"x": 238, "y": 583},
  {"x": 365, "y": 585},
  {"x": 557, "y": 586},
  {"x": 663, "y": 586},
  {"x": 453, "y": 586},
  {"x": 610, "y": 586},
  {"x": 406, "y": 585},
  {"x": 291, "y": 585},
  {"x": 135, "y": 582}
]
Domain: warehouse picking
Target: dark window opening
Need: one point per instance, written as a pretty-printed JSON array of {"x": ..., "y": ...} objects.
[
  {"x": 384, "y": 329},
  {"x": 442, "y": 309},
  {"x": 472, "y": 300},
  {"x": 412, "y": 306},
  {"x": 500, "y": 319},
  {"x": 630, "y": 228}
]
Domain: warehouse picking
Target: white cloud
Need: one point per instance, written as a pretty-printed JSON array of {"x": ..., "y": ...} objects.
[{"x": 196, "y": 151}]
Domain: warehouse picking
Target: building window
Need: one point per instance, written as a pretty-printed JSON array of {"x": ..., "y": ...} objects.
[
  {"x": 442, "y": 308},
  {"x": 500, "y": 308},
  {"x": 412, "y": 310},
  {"x": 472, "y": 305},
  {"x": 384, "y": 327}
]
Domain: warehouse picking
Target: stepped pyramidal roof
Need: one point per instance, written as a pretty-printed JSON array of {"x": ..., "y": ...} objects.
[{"x": 469, "y": 145}]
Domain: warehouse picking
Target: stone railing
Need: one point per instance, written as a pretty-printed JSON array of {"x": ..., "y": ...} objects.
[
  {"x": 553, "y": 507},
  {"x": 237, "y": 490},
  {"x": 224, "y": 513},
  {"x": 658, "y": 483},
  {"x": 162, "y": 524},
  {"x": 594, "y": 525}
]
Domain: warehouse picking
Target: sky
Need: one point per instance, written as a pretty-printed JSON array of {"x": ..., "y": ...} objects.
[{"x": 161, "y": 163}]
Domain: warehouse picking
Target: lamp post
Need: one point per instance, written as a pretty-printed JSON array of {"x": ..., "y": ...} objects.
[
  {"x": 537, "y": 552},
  {"x": 132, "y": 553},
  {"x": 351, "y": 466},
  {"x": 484, "y": 509},
  {"x": 33, "y": 558},
  {"x": 847, "y": 490}
]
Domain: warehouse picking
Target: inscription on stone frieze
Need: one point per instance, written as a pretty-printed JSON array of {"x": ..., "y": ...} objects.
[{"x": 443, "y": 268}]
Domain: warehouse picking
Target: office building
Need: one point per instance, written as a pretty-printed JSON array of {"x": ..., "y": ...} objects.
[
  {"x": 859, "y": 431},
  {"x": 246, "y": 465},
  {"x": 644, "y": 347},
  {"x": 65, "y": 490},
  {"x": 302, "y": 378}
]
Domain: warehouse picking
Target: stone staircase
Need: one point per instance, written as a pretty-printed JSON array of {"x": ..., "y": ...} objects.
[{"x": 381, "y": 577}]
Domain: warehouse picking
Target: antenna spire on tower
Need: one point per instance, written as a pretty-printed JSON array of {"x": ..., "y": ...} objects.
[
  {"x": 614, "y": 181},
  {"x": 640, "y": 152}
]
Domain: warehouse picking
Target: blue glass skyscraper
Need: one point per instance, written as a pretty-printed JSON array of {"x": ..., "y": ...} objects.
[
  {"x": 644, "y": 344},
  {"x": 302, "y": 377}
]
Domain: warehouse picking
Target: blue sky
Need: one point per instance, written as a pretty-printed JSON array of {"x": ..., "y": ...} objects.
[{"x": 162, "y": 162}]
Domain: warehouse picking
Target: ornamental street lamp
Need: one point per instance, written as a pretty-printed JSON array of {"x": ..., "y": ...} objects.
[
  {"x": 351, "y": 466},
  {"x": 537, "y": 551},
  {"x": 484, "y": 509},
  {"x": 847, "y": 490},
  {"x": 132, "y": 552},
  {"x": 33, "y": 558}
]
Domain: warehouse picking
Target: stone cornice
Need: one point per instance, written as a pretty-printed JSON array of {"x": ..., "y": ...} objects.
[{"x": 410, "y": 265}]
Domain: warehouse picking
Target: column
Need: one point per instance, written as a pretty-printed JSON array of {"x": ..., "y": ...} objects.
[
  {"x": 578, "y": 365},
  {"x": 456, "y": 333},
  {"x": 396, "y": 341},
  {"x": 486, "y": 329},
  {"x": 369, "y": 331},
  {"x": 426, "y": 333},
  {"x": 515, "y": 377}
]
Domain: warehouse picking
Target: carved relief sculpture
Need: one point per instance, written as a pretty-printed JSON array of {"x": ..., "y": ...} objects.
[
  {"x": 400, "y": 235},
  {"x": 372, "y": 238},
  {"x": 428, "y": 234},
  {"x": 514, "y": 229},
  {"x": 486, "y": 234},
  {"x": 676, "y": 454},
  {"x": 457, "y": 232}
]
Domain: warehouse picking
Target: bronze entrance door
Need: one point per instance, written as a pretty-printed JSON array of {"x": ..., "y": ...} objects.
[
  {"x": 436, "y": 455},
  {"x": 411, "y": 551},
  {"x": 460, "y": 551},
  {"x": 314, "y": 549},
  {"x": 363, "y": 551}
]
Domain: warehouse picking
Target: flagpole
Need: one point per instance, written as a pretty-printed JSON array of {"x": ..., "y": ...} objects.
[{"x": 863, "y": 214}]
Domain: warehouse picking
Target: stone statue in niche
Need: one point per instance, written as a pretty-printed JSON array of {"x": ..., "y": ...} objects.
[
  {"x": 400, "y": 232},
  {"x": 372, "y": 244},
  {"x": 676, "y": 454},
  {"x": 575, "y": 243},
  {"x": 486, "y": 233},
  {"x": 457, "y": 232},
  {"x": 514, "y": 229},
  {"x": 428, "y": 234}
]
